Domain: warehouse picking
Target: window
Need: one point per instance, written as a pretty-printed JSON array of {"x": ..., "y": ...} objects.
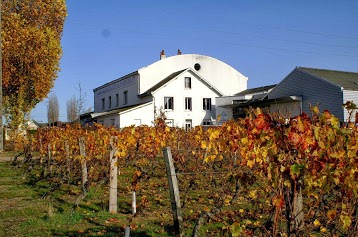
[
  {"x": 111, "y": 122},
  {"x": 125, "y": 97},
  {"x": 103, "y": 103},
  {"x": 188, "y": 103},
  {"x": 206, "y": 122},
  {"x": 169, "y": 103},
  {"x": 207, "y": 104},
  {"x": 109, "y": 101},
  {"x": 187, "y": 82},
  {"x": 117, "y": 100},
  {"x": 188, "y": 124}
]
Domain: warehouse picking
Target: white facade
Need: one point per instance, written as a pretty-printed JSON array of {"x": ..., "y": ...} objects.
[{"x": 184, "y": 86}]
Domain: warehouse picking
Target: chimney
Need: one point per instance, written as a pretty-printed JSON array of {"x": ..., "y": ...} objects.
[
  {"x": 162, "y": 55},
  {"x": 179, "y": 52}
]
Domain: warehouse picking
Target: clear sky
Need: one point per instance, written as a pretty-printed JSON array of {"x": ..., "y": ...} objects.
[{"x": 264, "y": 40}]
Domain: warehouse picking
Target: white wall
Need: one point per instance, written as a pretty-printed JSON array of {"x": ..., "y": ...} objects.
[
  {"x": 350, "y": 96},
  {"x": 109, "y": 120},
  {"x": 144, "y": 115},
  {"x": 198, "y": 91},
  {"x": 225, "y": 114}
]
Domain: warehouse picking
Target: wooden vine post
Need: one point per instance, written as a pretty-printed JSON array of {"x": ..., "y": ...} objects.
[
  {"x": 113, "y": 178},
  {"x": 297, "y": 221},
  {"x": 41, "y": 157},
  {"x": 134, "y": 203},
  {"x": 174, "y": 192},
  {"x": 49, "y": 163},
  {"x": 68, "y": 160},
  {"x": 83, "y": 162}
]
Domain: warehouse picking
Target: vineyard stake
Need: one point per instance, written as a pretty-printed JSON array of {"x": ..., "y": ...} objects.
[
  {"x": 127, "y": 231},
  {"x": 113, "y": 183},
  {"x": 49, "y": 164},
  {"x": 174, "y": 191},
  {"x": 83, "y": 163},
  {"x": 68, "y": 161},
  {"x": 134, "y": 203}
]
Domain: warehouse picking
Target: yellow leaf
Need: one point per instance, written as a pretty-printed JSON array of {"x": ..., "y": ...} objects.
[
  {"x": 244, "y": 140},
  {"x": 346, "y": 221},
  {"x": 253, "y": 194},
  {"x": 250, "y": 163},
  {"x": 316, "y": 223},
  {"x": 331, "y": 214}
]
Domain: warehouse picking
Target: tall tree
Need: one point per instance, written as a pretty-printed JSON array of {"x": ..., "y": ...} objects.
[
  {"x": 31, "y": 34},
  {"x": 72, "y": 109},
  {"x": 53, "y": 109},
  {"x": 81, "y": 98}
]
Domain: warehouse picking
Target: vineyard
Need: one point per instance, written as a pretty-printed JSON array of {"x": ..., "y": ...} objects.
[{"x": 258, "y": 176}]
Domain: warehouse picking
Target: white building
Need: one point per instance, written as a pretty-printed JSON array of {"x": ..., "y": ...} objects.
[{"x": 184, "y": 86}]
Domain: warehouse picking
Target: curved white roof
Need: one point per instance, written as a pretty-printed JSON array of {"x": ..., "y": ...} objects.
[{"x": 221, "y": 75}]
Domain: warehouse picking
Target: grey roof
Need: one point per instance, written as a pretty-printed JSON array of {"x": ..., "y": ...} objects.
[
  {"x": 347, "y": 80},
  {"x": 116, "y": 80},
  {"x": 256, "y": 90},
  {"x": 117, "y": 111}
]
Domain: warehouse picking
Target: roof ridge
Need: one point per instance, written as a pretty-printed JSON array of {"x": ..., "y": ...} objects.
[{"x": 322, "y": 69}]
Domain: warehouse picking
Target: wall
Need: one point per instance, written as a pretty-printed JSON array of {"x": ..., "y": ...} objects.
[
  {"x": 127, "y": 83},
  {"x": 198, "y": 91},
  {"x": 142, "y": 115},
  {"x": 287, "y": 110},
  {"x": 349, "y": 95}
]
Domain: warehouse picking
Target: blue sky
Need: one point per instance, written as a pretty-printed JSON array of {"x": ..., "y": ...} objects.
[{"x": 264, "y": 40}]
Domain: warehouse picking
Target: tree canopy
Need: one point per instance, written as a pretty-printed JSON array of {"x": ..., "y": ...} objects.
[{"x": 31, "y": 46}]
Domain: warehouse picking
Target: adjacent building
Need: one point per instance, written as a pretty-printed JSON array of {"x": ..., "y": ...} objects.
[{"x": 300, "y": 89}]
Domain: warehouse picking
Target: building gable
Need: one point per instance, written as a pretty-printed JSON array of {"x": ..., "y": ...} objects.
[{"x": 179, "y": 74}]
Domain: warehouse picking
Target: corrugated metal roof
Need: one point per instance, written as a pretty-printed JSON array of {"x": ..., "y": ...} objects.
[
  {"x": 116, "y": 80},
  {"x": 117, "y": 111},
  {"x": 347, "y": 80},
  {"x": 263, "y": 89}
]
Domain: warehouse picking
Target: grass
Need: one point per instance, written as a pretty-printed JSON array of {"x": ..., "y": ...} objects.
[
  {"x": 33, "y": 207},
  {"x": 24, "y": 212}
]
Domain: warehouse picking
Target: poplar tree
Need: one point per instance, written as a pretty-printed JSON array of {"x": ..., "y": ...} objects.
[
  {"x": 31, "y": 35},
  {"x": 53, "y": 109}
]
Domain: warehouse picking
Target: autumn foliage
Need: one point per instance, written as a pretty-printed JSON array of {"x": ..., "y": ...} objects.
[
  {"x": 31, "y": 34},
  {"x": 261, "y": 176}
]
